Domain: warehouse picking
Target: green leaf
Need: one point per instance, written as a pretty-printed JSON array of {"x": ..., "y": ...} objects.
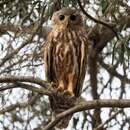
[
  {"x": 104, "y": 4},
  {"x": 66, "y": 3}
]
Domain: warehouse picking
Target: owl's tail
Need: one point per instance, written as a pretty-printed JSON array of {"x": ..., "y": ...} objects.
[
  {"x": 60, "y": 104},
  {"x": 64, "y": 122}
]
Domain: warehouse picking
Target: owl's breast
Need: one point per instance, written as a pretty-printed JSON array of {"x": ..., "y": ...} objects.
[
  {"x": 65, "y": 56},
  {"x": 66, "y": 51}
]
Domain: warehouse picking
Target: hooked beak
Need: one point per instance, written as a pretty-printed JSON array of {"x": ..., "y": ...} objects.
[{"x": 66, "y": 24}]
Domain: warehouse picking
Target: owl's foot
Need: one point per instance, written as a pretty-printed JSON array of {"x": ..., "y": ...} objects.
[
  {"x": 68, "y": 93},
  {"x": 60, "y": 89},
  {"x": 53, "y": 85}
]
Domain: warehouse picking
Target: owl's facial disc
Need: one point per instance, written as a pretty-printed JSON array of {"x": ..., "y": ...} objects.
[{"x": 68, "y": 19}]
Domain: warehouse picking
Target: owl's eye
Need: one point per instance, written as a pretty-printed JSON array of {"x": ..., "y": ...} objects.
[
  {"x": 61, "y": 17},
  {"x": 72, "y": 17}
]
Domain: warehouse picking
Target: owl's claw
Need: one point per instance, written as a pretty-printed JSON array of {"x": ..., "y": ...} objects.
[
  {"x": 68, "y": 93},
  {"x": 60, "y": 89},
  {"x": 53, "y": 84}
]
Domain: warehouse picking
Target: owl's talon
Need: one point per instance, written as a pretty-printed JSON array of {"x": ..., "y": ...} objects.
[
  {"x": 68, "y": 93},
  {"x": 53, "y": 84},
  {"x": 60, "y": 89}
]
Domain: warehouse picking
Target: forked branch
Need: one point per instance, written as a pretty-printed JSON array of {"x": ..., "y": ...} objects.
[
  {"x": 87, "y": 105},
  {"x": 80, "y": 104}
]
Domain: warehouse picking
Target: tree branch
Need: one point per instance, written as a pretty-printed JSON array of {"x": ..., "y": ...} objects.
[
  {"x": 30, "y": 79},
  {"x": 20, "y": 105},
  {"x": 19, "y": 81},
  {"x": 42, "y": 90},
  {"x": 80, "y": 104},
  {"x": 105, "y": 35},
  {"x": 108, "y": 120},
  {"x": 87, "y": 105},
  {"x": 112, "y": 71},
  {"x": 29, "y": 39},
  {"x": 98, "y": 21}
]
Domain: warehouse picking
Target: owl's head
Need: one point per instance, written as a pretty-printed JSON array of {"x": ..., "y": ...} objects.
[{"x": 67, "y": 18}]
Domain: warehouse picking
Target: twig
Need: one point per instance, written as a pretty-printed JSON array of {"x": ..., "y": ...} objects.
[
  {"x": 112, "y": 70},
  {"x": 108, "y": 120},
  {"x": 30, "y": 38},
  {"x": 20, "y": 105}
]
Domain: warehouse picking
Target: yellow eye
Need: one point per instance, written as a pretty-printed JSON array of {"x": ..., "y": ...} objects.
[
  {"x": 72, "y": 17},
  {"x": 61, "y": 17}
]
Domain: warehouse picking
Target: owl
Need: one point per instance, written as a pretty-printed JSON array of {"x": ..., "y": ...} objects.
[{"x": 65, "y": 55}]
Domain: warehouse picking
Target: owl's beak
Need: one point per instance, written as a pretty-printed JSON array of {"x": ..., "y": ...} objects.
[{"x": 66, "y": 23}]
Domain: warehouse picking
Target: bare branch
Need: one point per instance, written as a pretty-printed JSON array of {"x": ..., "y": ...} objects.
[
  {"x": 87, "y": 105},
  {"x": 108, "y": 120},
  {"x": 17, "y": 29},
  {"x": 101, "y": 39},
  {"x": 112, "y": 71},
  {"x": 20, "y": 105},
  {"x": 30, "y": 79},
  {"x": 96, "y": 20},
  {"x": 30, "y": 38},
  {"x": 31, "y": 87}
]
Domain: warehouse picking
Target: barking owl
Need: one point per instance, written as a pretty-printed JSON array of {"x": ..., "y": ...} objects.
[{"x": 65, "y": 53}]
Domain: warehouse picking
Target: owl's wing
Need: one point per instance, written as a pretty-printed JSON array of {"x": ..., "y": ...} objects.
[
  {"x": 47, "y": 50},
  {"x": 82, "y": 67}
]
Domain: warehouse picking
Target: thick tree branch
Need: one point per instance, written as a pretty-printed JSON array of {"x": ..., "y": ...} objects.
[
  {"x": 87, "y": 105},
  {"x": 97, "y": 20},
  {"x": 105, "y": 35},
  {"x": 80, "y": 104},
  {"x": 93, "y": 76},
  {"x": 41, "y": 90},
  {"x": 93, "y": 68},
  {"x": 30, "y": 79},
  {"x": 19, "y": 81}
]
